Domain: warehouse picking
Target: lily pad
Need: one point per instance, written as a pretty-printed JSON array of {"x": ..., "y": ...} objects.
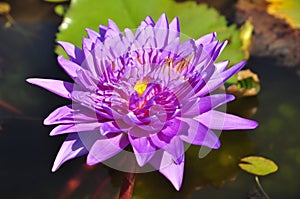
[
  {"x": 286, "y": 9},
  {"x": 247, "y": 84},
  {"x": 258, "y": 165},
  {"x": 196, "y": 20}
]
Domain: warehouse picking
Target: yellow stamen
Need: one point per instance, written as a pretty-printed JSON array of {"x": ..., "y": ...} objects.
[{"x": 140, "y": 87}]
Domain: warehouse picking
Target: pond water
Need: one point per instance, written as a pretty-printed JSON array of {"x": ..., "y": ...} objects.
[{"x": 27, "y": 152}]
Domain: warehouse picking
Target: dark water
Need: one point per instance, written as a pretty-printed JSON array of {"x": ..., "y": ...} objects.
[{"x": 27, "y": 152}]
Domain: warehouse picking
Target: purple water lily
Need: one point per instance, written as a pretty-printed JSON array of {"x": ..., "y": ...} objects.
[{"x": 144, "y": 89}]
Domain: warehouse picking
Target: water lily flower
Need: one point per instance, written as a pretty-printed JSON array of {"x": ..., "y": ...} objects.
[{"x": 145, "y": 89}]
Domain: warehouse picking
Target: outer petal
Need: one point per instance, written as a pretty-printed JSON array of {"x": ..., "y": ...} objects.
[
  {"x": 93, "y": 35},
  {"x": 58, "y": 87},
  {"x": 71, "y": 148},
  {"x": 224, "y": 121},
  {"x": 174, "y": 25},
  {"x": 67, "y": 115},
  {"x": 206, "y": 39},
  {"x": 105, "y": 147},
  {"x": 69, "y": 66},
  {"x": 163, "y": 161},
  {"x": 147, "y": 22},
  {"x": 113, "y": 30},
  {"x": 217, "y": 79},
  {"x": 204, "y": 104},
  {"x": 143, "y": 149},
  {"x": 198, "y": 134},
  {"x": 75, "y": 127},
  {"x": 176, "y": 149},
  {"x": 162, "y": 22},
  {"x": 161, "y": 31},
  {"x": 221, "y": 66},
  {"x": 74, "y": 53}
]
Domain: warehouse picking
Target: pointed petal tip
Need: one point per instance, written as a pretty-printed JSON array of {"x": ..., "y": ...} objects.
[
  {"x": 254, "y": 124},
  {"x": 230, "y": 98},
  {"x": 217, "y": 145},
  {"x": 32, "y": 80},
  {"x": 54, "y": 168},
  {"x": 90, "y": 160}
]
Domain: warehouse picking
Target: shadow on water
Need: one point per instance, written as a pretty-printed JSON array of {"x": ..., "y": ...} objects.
[{"x": 27, "y": 152}]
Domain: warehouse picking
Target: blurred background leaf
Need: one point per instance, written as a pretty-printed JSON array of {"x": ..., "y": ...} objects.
[
  {"x": 286, "y": 9},
  {"x": 196, "y": 20}
]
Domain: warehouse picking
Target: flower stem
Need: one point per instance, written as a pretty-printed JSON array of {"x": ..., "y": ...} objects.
[
  {"x": 261, "y": 188},
  {"x": 127, "y": 186}
]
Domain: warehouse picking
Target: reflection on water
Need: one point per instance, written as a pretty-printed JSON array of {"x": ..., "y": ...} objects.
[{"x": 27, "y": 152}]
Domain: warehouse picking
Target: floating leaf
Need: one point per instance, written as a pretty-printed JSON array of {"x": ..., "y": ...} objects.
[
  {"x": 196, "y": 20},
  {"x": 247, "y": 84},
  {"x": 286, "y": 9},
  {"x": 258, "y": 165}
]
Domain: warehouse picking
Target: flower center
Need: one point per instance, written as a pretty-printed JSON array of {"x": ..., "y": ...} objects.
[{"x": 140, "y": 87}]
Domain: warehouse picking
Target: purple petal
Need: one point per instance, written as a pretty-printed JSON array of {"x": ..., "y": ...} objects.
[
  {"x": 143, "y": 149},
  {"x": 149, "y": 21},
  {"x": 221, "y": 66},
  {"x": 176, "y": 149},
  {"x": 138, "y": 132},
  {"x": 71, "y": 114},
  {"x": 206, "y": 39},
  {"x": 204, "y": 104},
  {"x": 162, "y": 22},
  {"x": 102, "y": 31},
  {"x": 163, "y": 161},
  {"x": 198, "y": 134},
  {"x": 217, "y": 79},
  {"x": 110, "y": 127},
  {"x": 174, "y": 28},
  {"x": 71, "y": 148},
  {"x": 93, "y": 35},
  {"x": 74, "y": 53},
  {"x": 161, "y": 31},
  {"x": 105, "y": 147},
  {"x": 58, "y": 87},
  {"x": 219, "y": 49},
  {"x": 160, "y": 140},
  {"x": 172, "y": 128},
  {"x": 112, "y": 25},
  {"x": 174, "y": 25},
  {"x": 70, "y": 67},
  {"x": 86, "y": 80},
  {"x": 113, "y": 30},
  {"x": 89, "y": 63},
  {"x": 78, "y": 127},
  {"x": 224, "y": 121}
]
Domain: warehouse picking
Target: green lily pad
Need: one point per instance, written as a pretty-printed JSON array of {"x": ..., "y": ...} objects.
[
  {"x": 258, "y": 165},
  {"x": 196, "y": 20}
]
